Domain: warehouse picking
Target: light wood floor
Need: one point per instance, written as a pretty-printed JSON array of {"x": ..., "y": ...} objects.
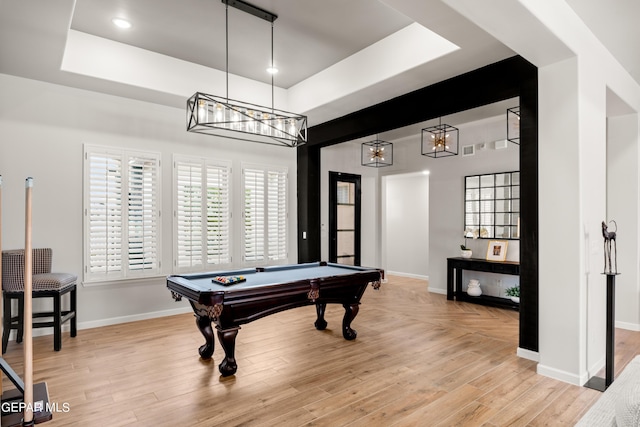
[{"x": 419, "y": 360}]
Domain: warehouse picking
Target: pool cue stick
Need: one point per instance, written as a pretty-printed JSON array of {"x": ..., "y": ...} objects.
[{"x": 28, "y": 311}]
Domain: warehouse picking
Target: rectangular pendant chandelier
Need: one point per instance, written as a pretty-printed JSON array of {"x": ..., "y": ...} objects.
[
  {"x": 228, "y": 118},
  {"x": 215, "y": 115}
]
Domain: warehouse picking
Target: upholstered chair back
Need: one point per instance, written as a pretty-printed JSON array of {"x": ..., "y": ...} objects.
[{"x": 13, "y": 267}]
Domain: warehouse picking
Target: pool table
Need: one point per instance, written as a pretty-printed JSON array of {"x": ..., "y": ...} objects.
[{"x": 266, "y": 291}]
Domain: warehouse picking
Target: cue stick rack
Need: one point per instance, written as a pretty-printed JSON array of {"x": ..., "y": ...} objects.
[{"x": 26, "y": 395}]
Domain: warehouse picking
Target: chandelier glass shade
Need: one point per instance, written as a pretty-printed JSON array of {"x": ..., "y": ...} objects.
[
  {"x": 228, "y": 118},
  {"x": 440, "y": 140},
  {"x": 513, "y": 125},
  {"x": 377, "y": 153}
]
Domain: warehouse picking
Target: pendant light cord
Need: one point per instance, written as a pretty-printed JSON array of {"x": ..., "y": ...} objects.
[
  {"x": 227, "y": 56},
  {"x": 272, "y": 70},
  {"x": 226, "y": 27}
]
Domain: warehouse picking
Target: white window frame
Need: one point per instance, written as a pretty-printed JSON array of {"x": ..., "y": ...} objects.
[
  {"x": 151, "y": 236},
  {"x": 267, "y": 209},
  {"x": 203, "y": 263}
]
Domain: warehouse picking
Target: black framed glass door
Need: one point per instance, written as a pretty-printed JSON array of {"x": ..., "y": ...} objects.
[{"x": 344, "y": 218}]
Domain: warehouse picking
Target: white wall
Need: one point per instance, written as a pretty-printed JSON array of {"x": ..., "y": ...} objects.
[
  {"x": 573, "y": 193},
  {"x": 570, "y": 223},
  {"x": 42, "y": 131},
  {"x": 446, "y": 205},
  {"x": 623, "y": 191},
  {"x": 446, "y": 188}
]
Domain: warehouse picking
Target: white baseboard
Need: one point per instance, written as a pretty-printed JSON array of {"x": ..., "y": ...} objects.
[
  {"x": 528, "y": 354},
  {"x": 564, "y": 376},
  {"x": 438, "y": 291},
  {"x": 411, "y": 275},
  {"x": 37, "y": 332},
  {"x": 628, "y": 326},
  {"x": 134, "y": 317}
]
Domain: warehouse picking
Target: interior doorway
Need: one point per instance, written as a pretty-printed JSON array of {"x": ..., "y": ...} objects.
[
  {"x": 344, "y": 218},
  {"x": 405, "y": 224}
]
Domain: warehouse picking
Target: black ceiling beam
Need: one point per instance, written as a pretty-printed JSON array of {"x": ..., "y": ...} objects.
[
  {"x": 496, "y": 82},
  {"x": 486, "y": 85}
]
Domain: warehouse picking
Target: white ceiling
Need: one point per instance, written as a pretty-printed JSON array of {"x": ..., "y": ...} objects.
[
  {"x": 615, "y": 24},
  {"x": 313, "y": 40},
  {"x": 309, "y": 35}
]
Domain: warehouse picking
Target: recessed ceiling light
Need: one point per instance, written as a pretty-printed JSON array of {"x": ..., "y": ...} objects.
[
  {"x": 272, "y": 70},
  {"x": 121, "y": 23}
]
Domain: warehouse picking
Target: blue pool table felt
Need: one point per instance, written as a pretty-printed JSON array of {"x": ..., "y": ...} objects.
[{"x": 273, "y": 276}]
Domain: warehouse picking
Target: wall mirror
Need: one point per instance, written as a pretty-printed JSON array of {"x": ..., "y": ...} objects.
[{"x": 492, "y": 205}]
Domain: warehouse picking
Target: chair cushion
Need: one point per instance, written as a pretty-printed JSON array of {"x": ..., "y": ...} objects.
[{"x": 53, "y": 281}]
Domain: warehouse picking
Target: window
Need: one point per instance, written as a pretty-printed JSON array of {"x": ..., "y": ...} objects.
[
  {"x": 492, "y": 205},
  {"x": 202, "y": 214},
  {"x": 122, "y": 214},
  {"x": 265, "y": 214}
]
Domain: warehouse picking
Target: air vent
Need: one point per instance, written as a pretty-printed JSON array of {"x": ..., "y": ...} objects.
[{"x": 468, "y": 150}]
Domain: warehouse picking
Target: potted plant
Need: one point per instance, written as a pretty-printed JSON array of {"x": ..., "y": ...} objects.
[
  {"x": 514, "y": 293},
  {"x": 465, "y": 252}
]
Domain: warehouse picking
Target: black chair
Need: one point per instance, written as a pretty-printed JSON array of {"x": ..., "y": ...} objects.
[{"x": 45, "y": 285}]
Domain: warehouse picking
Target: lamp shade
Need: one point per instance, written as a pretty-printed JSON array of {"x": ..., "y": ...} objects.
[{"x": 377, "y": 153}]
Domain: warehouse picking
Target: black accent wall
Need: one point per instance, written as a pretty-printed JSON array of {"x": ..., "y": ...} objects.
[{"x": 495, "y": 82}]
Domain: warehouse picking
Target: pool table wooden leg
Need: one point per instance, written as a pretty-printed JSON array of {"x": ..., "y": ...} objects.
[
  {"x": 227, "y": 339},
  {"x": 204, "y": 325},
  {"x": 320, "y": 323},
  {"x": 350, "y": 312}
]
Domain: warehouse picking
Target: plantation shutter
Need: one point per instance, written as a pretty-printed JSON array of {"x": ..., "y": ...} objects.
[
  {"x": 143, "y": 223},
  {"x": 202, "y": 213},
  {"x": 254, "y": 215},
  {"x": 265, "y": 214},
  {"x": 277, "y": 215},
  {"x": 188, "y": 215},
  {"x": 218, "y": 215},
  {"x": 105, "y": 213},
  {"x": 122, "y": 214}
]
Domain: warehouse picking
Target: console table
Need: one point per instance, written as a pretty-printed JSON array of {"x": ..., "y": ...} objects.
[{"x": 454, "y": 279}]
